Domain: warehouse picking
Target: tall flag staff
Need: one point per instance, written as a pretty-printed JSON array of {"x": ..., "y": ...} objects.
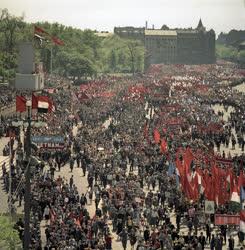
[{"x": 42, "y": 35}]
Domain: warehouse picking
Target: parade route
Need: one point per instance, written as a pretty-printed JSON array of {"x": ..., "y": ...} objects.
[{"x": 127, "y": 168}]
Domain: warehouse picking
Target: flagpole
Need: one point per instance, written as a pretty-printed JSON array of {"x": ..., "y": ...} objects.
[
  {"x": 27, "y": 195},
  {"x": 51, "y": 60},
  {"x": 10, "y": 174}
]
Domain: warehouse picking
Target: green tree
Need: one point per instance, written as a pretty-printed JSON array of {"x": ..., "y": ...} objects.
[
  {"x": 80, "y": 66},
  {"x": 241, "y": 56},
  {"x": 136, "y": 51},
  {"x": 91, "y": 40},
  {"x": 121, "y": 58},
  {"x": 83, "y": 47},
  {"x": 10, "y": 27},
  {"x": 226, "y": 52},
  {"x": 9, "y": 237},
  {"x": 129, "y": 54},
  {"x": 113, "y": 60}
]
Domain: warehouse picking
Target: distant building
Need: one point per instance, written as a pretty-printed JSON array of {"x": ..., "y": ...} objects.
[
  {"x": 161, "y": 46},
  {"x": 174, "y": 46},
  {"x": 241, "y": 46},
  {"x": 233, "y": 38},
  {"x": 103, "y": 34},
  {"x": 130, "y": 32}
]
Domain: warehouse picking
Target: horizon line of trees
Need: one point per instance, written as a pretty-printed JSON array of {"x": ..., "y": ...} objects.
[{"x": 83, "y": 53}]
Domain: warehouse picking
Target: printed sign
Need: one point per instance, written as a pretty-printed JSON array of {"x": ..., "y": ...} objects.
[
  {"x": 209, "y": 207},
  {"x": 48, "y": 139}
]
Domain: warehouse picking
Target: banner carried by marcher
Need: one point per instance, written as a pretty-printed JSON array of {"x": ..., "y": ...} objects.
[{"x": 227, "y": 219}]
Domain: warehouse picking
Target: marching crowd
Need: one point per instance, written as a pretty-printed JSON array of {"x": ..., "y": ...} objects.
[
  {"x": 131, "y": 145},
  {"x": 7, "y": 96}
]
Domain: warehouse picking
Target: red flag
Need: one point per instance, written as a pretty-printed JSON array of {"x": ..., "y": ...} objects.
[
  {"x": 45, "y": 99},
  {"x": 57, "y": 41},
  {"x": 209, "y": 184},
  {"x": 20, "y": 104},
  {"x": 40, "y": 30},
  {"x": 163, "y": 146},
  {"x": 156, "y": 136},
  {"x": 34, "y": 101},
  {"x": 190, "y": 186},
  {"x": 231, "y": 179},
  {"x": 188, "y": 158},
  {"x": 220, "y": 185}
]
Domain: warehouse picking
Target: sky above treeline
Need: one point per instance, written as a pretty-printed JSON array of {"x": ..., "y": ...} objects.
[{"x": 104, "y": 15}]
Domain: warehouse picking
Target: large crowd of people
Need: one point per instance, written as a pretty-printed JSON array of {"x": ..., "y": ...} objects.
[{"x": 151, "y": 148}]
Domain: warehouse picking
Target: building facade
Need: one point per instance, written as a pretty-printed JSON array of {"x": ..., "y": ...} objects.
[{"x": 176, "y": 46}]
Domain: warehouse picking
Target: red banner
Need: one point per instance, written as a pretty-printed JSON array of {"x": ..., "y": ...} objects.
[{"x": 227, "y": 219}]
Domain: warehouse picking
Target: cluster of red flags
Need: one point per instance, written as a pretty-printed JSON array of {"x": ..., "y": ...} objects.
[
  {"x": 218, "y": 184},
  {"x": 157, "y": 138},
  {"x": 39, "y": 32},
  {"x": 42, "y": 103}
]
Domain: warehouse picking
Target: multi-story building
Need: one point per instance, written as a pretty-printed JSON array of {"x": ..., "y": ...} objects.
[{"x": 174, "y": 46}]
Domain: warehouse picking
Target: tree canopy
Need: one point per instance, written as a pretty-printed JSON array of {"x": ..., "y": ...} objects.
[
  {"x": 230, "y": 53},
  {"x": 9, "y": 237},
  {"x": 83, "y": 53}
]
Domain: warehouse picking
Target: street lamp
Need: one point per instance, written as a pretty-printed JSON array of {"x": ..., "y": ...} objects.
[
  {"x": 29, "y": 161},
  {"x": 27, "y": 197}
]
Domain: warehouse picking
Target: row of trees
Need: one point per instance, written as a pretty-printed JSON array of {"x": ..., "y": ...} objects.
[
  {"x": 230, "y": 53},
  {"x": 10, "y": 32},
  {"x": 83, "y": 52}
]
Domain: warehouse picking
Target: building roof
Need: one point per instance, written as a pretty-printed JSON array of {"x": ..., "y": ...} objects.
[
  {"x": 182, "y": 31},
  {"x": 103, "y": 34},
  {"x": 200, "y": 25},
  {"x": 160, "y": 32}
]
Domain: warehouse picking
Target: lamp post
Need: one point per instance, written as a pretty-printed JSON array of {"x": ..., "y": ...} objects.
[
  {"x": 27, "y": 205},
  {"x": 29, "y": 160},
  {"x": 51, "y": 61}
]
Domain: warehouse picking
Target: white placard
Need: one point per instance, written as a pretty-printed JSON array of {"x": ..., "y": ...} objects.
[{"x": 209, "y": 207}]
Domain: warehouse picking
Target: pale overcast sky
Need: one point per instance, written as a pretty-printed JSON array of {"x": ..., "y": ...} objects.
[{"x": 221, "y": 15}]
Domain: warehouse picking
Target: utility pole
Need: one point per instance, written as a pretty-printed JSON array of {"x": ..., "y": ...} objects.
[
  {"x": 51, "y": 60},
  {"x": 27, "y": 205},
  {"x": 10, "y": 175}
]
